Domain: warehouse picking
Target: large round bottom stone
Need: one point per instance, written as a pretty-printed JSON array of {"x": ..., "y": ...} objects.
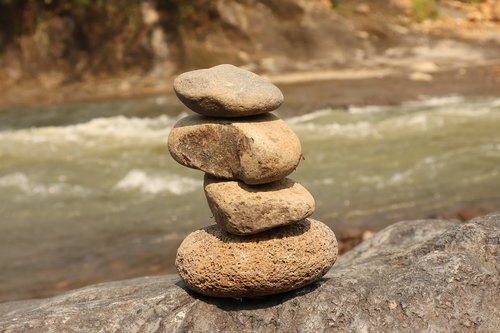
[{"x": 213, "y": 262}]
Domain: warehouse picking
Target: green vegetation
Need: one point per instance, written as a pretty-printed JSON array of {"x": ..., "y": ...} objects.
[
  {"x": 100, "y": 36},
  {"x": 21, "y": 17},
  {"x": 56, "y": 31},
  {"x": 335, "y": 3},
  {"x": 422, "y": 10}
]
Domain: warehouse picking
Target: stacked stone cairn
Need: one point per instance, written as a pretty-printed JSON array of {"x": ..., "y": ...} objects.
[{"x": 263, "y": 242}]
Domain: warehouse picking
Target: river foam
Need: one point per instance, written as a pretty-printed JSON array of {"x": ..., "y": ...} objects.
[
  {"x": 365, "y": 121},
  {"x": 426, "y": 115},
  {"x": 21, "y": 182},
  {"x": 121, "y": 130},
  {"x": 139, "y": 180}
]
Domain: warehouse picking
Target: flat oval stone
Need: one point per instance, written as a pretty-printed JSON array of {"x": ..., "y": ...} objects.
[
  {"x": 243, "y": 209},
  {"x": 255, "y": 150},
  {"x": 227, "y": 91},
  {"x": 213, "y": 262}
]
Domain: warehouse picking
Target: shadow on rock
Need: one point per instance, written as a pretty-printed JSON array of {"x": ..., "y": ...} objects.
[{"x": 254, "y": 303}]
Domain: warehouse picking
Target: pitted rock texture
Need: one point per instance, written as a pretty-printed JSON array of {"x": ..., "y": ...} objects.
[
  {"x": 418, "y": 276},
  {"x": 227, "y": 91},
  {"x": 255, "y": 150},
  {"x": 243, "y": 209},
  {"x": 215, "y": 263}
]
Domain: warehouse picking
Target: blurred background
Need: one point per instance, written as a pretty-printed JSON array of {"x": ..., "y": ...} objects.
[{"x": 396, "y": 103}]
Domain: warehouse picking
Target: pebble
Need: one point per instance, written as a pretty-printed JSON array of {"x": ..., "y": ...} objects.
[
  {"x": 256, "y": 150},
  {"x": 215, "y": 263},
  {"x": 419, "y": 76},
  {"x": 242, "y": 209},
  {"x": 227, "y": 91}
]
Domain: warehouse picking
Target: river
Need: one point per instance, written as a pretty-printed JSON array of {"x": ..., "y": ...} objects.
[{"x": 88, "y": 192}]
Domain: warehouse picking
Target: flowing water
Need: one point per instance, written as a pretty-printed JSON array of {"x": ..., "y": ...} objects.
[{"x": 88, "y": 192}]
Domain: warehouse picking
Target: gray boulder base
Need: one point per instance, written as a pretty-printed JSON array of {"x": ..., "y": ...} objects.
[
  {"x": 420, "y": 276},
  {"x": 227, "y": 91}
]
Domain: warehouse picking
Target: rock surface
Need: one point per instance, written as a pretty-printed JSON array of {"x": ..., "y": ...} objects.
[
  {"x": 420, "y": 276},
  {"x": 216, "y": 263},
  {"x": 255, "y": 150},
  {"x": 242, "y": 209},
  {"x": 227, "y": 91}
]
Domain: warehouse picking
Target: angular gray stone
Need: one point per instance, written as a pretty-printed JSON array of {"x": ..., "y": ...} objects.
[
  {"x": 215, "y": 263},
  {"x": 255, "y": 150},
  {"x": 243, "y": 209},
  {"x": 420, "y": 276},
  {"x": 227, "y": 91}
]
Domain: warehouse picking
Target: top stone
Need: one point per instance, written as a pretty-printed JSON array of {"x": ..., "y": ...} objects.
[{"x": 227, "y": 91}]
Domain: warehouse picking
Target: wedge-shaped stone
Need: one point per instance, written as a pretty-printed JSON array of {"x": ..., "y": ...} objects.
[
  {"x": 243, "y": 209},
  {"x": 215, "y": 263},
  {"x": 255, "y": 150},
  {"x": 227, "y": 91}
]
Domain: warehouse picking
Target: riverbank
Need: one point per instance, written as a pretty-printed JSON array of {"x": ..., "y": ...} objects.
[
  {"x": 390, "y": 87},
  {"x": 304, "y": 91}
]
